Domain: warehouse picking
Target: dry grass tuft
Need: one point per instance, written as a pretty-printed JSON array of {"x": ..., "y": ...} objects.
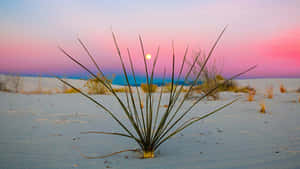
[
  {"x": 269, "y": 93},
  {"x": 251, "y": 94},
  {"x": 70, "y": 90},
  {"x": 167, "y": 88},
  {"x": 146, "y": 89},
  {"x": 96, "y": 87},
  {"x": 282, "y": 89},
  {"x": 36, "y": 92},
  {"x": 121, "y": 90},
  {"x": 262, "y": 108}
]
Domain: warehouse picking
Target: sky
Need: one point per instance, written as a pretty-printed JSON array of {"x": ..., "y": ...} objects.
[{"x": 260, "y": 32}]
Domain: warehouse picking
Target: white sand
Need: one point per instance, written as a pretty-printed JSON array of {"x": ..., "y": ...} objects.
[{"x": 43, "y": 131}]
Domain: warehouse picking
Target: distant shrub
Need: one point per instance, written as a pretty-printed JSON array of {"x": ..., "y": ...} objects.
[
  {"x": 262, "y": 108},
  {"x": 3, "y": 86},
  {"x": 167, "y": 88},
  {"x": 47, "y": 92},
  {"x": 70, "y": 90},
  {"x": 145, "y": 87},
  {"x": 269, "y": 93},
  {"x": 13, "y": 83},
  {"x": 121, "y": 90},
  {"x": 298, "y": 90},
  {"x": 282, "y": 89},
  {"x": 206, "y": 87},
  {"x": 251, "y": 94},
  {"x": 210, "y": 76},
  {"x": 230, "y": 86},
  {"x": 36, "y": 92},
  {"x": 219, "y": 77},
  {"x": 96, "y": 87},
  {"x": 246, "y": 89}
]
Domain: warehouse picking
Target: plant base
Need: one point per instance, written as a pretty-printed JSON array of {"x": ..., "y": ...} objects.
[{"x": 148, "y": 154}]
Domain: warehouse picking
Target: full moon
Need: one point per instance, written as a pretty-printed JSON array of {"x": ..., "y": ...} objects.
[{"x": 148, "y": 56}]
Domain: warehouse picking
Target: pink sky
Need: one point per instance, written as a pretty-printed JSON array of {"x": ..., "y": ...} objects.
[{"x": 266, "y": 33}]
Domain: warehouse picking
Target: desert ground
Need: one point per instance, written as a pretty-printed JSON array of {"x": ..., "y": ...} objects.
[{"x": 43, "y": 131}]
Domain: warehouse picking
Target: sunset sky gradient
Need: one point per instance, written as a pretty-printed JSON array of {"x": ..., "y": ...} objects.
[{"x": 262, "y": 32}]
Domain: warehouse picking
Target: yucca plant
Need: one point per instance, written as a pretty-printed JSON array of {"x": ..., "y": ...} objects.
[{"x": 151, "y": 126}]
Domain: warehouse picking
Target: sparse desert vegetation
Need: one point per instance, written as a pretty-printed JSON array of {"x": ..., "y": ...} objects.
[
  {"x": 262, "y": 107},
  {"x": 149, "y": 88},
  {"x": 167, "y": 88},
  {"x": 250, "y": 96},
  {"x": 210, "y": 76},
  {"x": 269, "y": 93},
  {"x": 36, "y": 92},
  {"x": 69, "y": 90},
  {"x": 282, "y": 88},
  {"x": 3, "y": 86},
  {"x": 121, "y": 90},
  {"x": 96, "y": 87},
  {"x": 12, "y": 83}
]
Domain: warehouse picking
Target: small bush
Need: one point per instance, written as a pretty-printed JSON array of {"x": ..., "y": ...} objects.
[
  {"x": 121, "y": 90},
  {"x": 270, "y": 93},
  {"x": 167, "y": 88},
  {"x": 230, "y": 86},
  {"x": 246, "y": 89},
  {"x": 251, "y": 95},
  {"x": 96, "y": 87},
  {"x": 36, "y": 92},
  {"x": 219, "y": 78},
  {"x": 210, "y": 76},
  {"x": 282, "y": 89},
  {"x": 262, "y": 108},
  {"x": 3, "y": 87},
  {"x": 298, "y": 90},
  {"x": 70, "y": 90},
  {"x": 145, "y": 87},
  {"x": 206, "y": 87}
]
